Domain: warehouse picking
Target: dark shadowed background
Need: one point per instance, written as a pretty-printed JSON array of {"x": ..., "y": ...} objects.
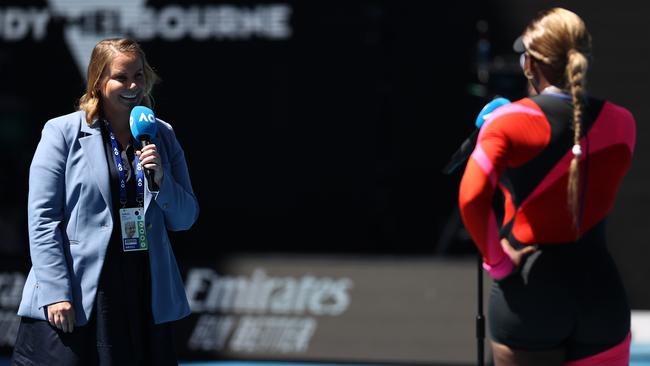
[{"x": 319, "y": 133}]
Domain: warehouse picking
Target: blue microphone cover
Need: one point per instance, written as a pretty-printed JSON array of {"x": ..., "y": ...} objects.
[
  {"x": 487, "y": 109},
  {"x": 143, "y": 123}
]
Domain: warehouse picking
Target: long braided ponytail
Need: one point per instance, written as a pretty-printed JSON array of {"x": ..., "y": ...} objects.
[
  {"x": 576, "y": 70},
  {"x": 558, "y": 39}
]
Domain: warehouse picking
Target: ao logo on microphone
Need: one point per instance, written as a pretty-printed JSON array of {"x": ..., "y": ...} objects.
[
  {"x": 144, "y": 117},
  {"x": 147, "y": 118}
]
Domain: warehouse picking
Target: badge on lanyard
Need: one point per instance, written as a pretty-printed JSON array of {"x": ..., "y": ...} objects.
[{"x": 134, "y": 233}]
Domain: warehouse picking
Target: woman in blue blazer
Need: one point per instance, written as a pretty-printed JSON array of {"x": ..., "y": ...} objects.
[{"x": 91, "y": 297}]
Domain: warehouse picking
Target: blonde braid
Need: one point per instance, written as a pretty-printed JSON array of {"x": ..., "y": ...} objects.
[{"x": 576, "y": 72}]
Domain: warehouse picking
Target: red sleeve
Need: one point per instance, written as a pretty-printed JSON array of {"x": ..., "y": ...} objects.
[{"x": 514, "y": 134}]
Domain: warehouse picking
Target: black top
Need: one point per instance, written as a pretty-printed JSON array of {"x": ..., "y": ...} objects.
[{"x": 123, "y": 304}]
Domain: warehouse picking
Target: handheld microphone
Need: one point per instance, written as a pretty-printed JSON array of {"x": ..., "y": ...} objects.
[
  {"x": 143, "y": 128},
  {"x": 466, "y": 148}
]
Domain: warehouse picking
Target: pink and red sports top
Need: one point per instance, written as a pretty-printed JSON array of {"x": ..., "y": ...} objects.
[{"x": 524, "y": 148}]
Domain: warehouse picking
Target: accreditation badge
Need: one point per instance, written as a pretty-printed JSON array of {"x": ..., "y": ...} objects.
[{"x": 134, "y": 234}]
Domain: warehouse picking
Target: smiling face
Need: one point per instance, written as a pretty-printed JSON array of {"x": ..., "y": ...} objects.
[{"x": 122, "y": 86}]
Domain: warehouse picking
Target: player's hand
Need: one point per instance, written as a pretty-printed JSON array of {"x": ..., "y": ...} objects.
[{"x": 517, "y": 255}]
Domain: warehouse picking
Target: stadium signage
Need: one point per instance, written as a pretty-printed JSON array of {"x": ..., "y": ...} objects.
[
  {"x": 260, "y": 313},
  {"x": 84, "y": 23}
]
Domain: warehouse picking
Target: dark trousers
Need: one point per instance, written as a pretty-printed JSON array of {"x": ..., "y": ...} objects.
[{"x": 38, "y": 343}]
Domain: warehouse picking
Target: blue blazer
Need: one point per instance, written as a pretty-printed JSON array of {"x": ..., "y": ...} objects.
[{"x": 70, "y": 218}]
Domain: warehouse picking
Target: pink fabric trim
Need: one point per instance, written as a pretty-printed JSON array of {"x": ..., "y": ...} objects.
[
  {"x": 494, "y": 249},
  {"x": 486, "y": 165},
  {"x": 612, "y": 127},
  {"x": 501, "y": 269},
  {"x": 618, "y": 355},
  {"x": 507, "y": 109}
]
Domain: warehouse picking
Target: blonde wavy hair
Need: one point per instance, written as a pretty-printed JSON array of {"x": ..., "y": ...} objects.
[
  {"x": 558, "y": 39},
  {"x": 102, "y": 55}
]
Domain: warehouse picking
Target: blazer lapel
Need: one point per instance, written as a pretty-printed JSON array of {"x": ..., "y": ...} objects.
[{"x": 93, "y": 151}]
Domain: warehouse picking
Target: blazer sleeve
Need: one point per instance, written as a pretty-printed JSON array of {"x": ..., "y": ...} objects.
[
  {"x": 176, "y": 197},
  {"x": 45, "y": 210}
]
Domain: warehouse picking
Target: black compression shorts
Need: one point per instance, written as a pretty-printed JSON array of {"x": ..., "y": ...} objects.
[{"x": 567, "y": 296}]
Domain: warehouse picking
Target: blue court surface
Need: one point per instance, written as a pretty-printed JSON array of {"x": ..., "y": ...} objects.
[
  {"x": 640, "y": 355},
  {"x": 637, "y": 359}
]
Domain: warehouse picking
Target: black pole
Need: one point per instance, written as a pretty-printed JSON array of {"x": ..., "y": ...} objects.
[{"x": 480, "y": 319}]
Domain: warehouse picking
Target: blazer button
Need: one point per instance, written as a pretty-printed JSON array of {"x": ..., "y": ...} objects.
[
  {"x": 149, "y": 226},
  {"x": 165, "y": 206}
]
